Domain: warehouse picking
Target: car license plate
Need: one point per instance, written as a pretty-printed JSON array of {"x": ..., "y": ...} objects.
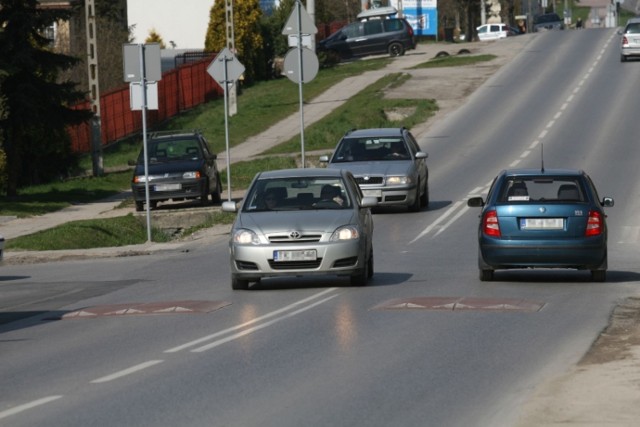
[
  {"x": 542, "y": 223},
  {"x": 372, "y": 193},
  {"x": 301, "y": 255},
  {"x": 168, "y": 187}
]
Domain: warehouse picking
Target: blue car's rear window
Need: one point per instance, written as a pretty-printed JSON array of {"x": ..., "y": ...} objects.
[{"x": 541, "y": 189}]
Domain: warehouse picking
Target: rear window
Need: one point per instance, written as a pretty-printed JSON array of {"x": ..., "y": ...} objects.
[
  {"x": 633, "y": 28},
  {"x": 541, "y": 189},
  {"x": 392, "y": 25},
  {"x": 552, "y": 17}
]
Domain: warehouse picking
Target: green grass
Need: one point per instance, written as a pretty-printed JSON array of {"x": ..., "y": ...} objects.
[
  {"x": 86, "y": 234},
  {"x": 259, "y": 107}
]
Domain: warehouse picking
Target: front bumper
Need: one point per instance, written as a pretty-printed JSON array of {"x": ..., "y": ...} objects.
[
  {"x": 392, "y": 196},
  {"x": 189, "y": 189},
  {"x": 251, "y": 262}
]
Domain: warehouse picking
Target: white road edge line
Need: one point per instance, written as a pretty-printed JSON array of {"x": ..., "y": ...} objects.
[
  {"x": 437, "y": 221},
  {"x": 257, "y": 319},
  {"x": 27, "y": 406},
  {"x": 127, "y": 371},
  {"x": 261, "y": 326}
]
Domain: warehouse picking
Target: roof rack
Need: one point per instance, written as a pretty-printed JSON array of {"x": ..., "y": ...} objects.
[{"x": 165, "y": 133}]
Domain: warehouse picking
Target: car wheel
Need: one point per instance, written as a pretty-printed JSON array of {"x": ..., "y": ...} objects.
[
  {"x": 415, "y": 207},
  {"x": 370, "y": 265},
  {"x": 486, "y": 275},
  {"x": 360, "y": 279},
  {"x": 424, "y": 200},
  {"x": 598, "y": 275},
  {"x": 139, "y": 206},
  {"x": 239, "y": 284},
  {"x": 204, "y": 197},
  {"x": 396, "y": 49},
  {"x": 215, "y": 196}
]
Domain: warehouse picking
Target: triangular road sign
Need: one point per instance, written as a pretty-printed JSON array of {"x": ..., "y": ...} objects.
[{"x": 304, "y": 25}]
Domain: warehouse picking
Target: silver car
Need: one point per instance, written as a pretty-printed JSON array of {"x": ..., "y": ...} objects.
[
  {"x": 630, "y": 40},
  {"x": 298, "y": 222},
  {"x": 387, "y": 164}
]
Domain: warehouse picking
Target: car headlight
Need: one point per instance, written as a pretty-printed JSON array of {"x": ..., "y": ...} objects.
[
  {"x": 399, "y": 180},
  {"x": 244, "y": 236},
  {"x": 191, "y": 175},
  {"x": 138, "y": 179},
  {"x": 348, "y": 232}
]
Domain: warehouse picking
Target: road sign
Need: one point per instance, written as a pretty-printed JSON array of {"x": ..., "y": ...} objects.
[
  {"x": 152, "y": 69},
  {"x": 310, "y": 65},
  {"x": 225, "y": 67},
  {"x": 302, "y": 24}
]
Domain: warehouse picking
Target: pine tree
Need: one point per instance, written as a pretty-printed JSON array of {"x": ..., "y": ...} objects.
[{"x": 37, "y": 108}]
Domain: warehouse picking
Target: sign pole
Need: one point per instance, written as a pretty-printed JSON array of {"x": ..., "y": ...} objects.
[
  {"x": 226, "y": 125},
  {"x": 143, "y": 84}
]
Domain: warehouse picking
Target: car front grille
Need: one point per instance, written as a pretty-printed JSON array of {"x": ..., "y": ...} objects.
[
  {"x": 295, "y": 265},
  {"x": 370, "y": 180},
  {"x": 298, "y": 238}
]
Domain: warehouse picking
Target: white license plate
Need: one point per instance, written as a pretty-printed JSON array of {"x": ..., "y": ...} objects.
[
  {"x": 301, "y": 255},
  {"x": 372, "y": 193},
  {"x": 168, "y": 187},
  {"x": 542, "y": 223}
]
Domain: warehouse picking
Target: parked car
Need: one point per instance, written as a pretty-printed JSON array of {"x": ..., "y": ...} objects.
[
  {"x": 180, "y": 167},
  {"x": 296, "y": 222},
  {"x": 547, "y": 21},
  {"x": 542, "y": 219},
  {"x": 387, "y": 164},
  {"x": 492, "y": 31},
  {"x": 630, "y": 40},
  {"x": 377, "y": 35}
]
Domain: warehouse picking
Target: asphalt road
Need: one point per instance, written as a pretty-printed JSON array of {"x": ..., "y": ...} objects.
[{"x": 318, "y": 352}]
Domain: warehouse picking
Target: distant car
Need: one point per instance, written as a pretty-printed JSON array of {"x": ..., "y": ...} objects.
[
  {"x": 547, "y": 21},
  {"x": 536, "y": 218},
  {"x": 297, "y": 222},
  {"x": 374, "y": 36},
  {"x": 492, "y": 31},
  {"x": 387, "y": 164},
  {"x": 181, "y": 167},
  {"x": 630, "y": 40}
]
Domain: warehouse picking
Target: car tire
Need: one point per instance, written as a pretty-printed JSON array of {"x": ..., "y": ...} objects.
[
  {"x": 239, "y": 284},
  {"x": 360, "y": 278},
  {"x": 370, "y": 265},
  {"x": 485, "y": 275},
  {"x": 204, "y": 197},
  {"x": 396, "y": 49},
  {"x": 415, "y": 207},
  {"x": 598, "y": 275},
  {"x": 424, "y": 200},
  {"x": 139, "y": 206},
  {"x": 216, "y": 195}
]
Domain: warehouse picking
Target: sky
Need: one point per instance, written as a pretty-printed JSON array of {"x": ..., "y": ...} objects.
[{"x": 184, "y": 21}]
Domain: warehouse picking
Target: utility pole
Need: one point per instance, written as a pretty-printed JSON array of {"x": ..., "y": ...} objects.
[
  {"x": 94, "y": 87},
  {"x": 231, "y": 44}
]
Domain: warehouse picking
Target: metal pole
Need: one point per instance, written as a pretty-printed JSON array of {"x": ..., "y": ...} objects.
[
  {"x": 300, "y": 80},
  {"x": 143, "y": 85},
  {"x": 226, "y": 127}
]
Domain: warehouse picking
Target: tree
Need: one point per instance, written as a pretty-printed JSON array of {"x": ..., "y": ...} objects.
[
  {"x": 247, "y": 34},
  {"x": 154, "y": 37},
  {"x": 37, "y": 108}
]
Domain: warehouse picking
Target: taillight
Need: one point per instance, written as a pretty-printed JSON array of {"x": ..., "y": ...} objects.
[
  {"x": 594, "y": 224},
  {"x": 490, "y": 224},
  {"x": 624, "y": 40},
  {"x": 410, "y": 30}
]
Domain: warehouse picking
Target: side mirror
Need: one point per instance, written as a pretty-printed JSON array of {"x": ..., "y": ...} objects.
[
  {"x": 421, "y": 155},
  {"x": 369, "y": 202},
  {"x": 324, "y": 158},
  {"x": 229, "y": 206},
  {"x": 475, "y": 202},
  {"x": 607, "y": 202}
]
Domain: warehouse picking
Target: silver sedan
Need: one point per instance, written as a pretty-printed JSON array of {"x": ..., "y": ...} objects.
[{"x": 299, "y": 222}]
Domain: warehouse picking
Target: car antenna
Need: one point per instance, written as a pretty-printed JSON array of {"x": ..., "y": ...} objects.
[{"x": 542, "y": 158}]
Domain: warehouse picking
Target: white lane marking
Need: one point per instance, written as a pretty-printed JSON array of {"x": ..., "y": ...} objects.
[
  {"x": 525, "y": 153},
  {"x": 437, "y": 221},
  {"x": 452, "y": 220},
  {"x": 128, "y": 371},
  {"x": 25, "y": 407},
  {"x": 257, "y": 319},
  {"x": 258, "y": 327},
  {"x": 514, "y": 164},
  {"x": 542, "y": 134}
]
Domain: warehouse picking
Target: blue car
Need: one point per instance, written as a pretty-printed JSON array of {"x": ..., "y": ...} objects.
[{"x": 537, "y": 218}]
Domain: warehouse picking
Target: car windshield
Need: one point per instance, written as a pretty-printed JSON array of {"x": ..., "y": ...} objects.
[
  {"x": 371, "y": 149},
  {"x": 287, "y": 194},
  {"x": 161, "y": 151},
  {"x": 541, "y": 188},
  {"x": 633, "y": 28}
]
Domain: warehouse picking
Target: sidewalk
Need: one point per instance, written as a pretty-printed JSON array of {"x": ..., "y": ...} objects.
[{"x": 284, "y": 130}]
